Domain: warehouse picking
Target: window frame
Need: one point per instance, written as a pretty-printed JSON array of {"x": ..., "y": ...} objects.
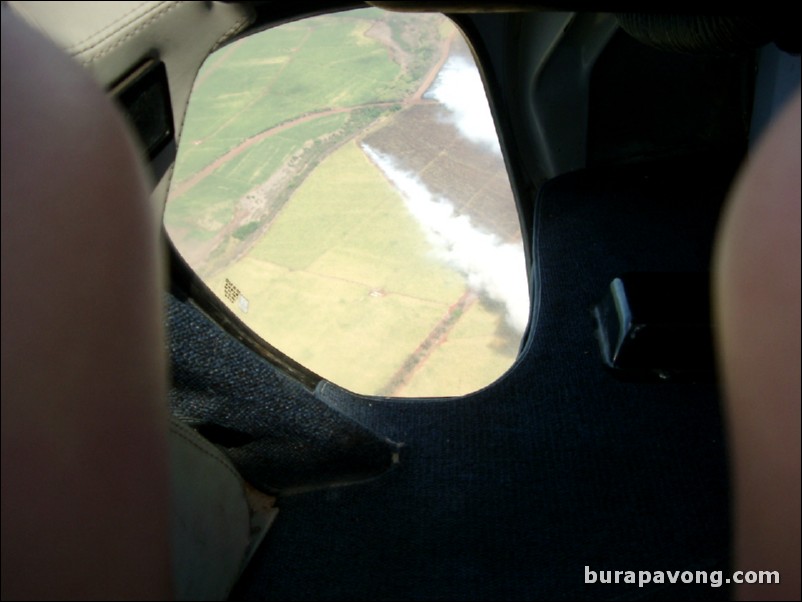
[{"x": 187, "y": 286}]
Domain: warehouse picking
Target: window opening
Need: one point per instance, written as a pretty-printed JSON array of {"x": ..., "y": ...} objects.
[{"x": 339, "y": 185}]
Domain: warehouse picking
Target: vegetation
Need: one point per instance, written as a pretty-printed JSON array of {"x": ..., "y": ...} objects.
[
  {"x": 245, "y": 231},
  {"x": 291, "y": 71}
]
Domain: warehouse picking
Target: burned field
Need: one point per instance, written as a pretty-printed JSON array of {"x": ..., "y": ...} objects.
[{"x": 425, "y": 141}]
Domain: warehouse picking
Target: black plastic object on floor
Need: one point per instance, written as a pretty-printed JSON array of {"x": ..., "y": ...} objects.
[
  {"x": 277, "y": 434},
  {"x": 511, "y": 492},
  {"x": 656, "y": 326}
]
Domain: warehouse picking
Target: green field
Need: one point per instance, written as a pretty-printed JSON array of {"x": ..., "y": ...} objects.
[
  {"x": 344, "y": 235},
  {"x": 473, "y": 356},
  {"x": 272, "y": 192},
  {"x": 293, "y": 70},
  {"x": 211, "y": 203}
]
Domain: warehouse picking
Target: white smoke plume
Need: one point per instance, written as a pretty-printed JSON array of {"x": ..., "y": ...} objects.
[
  {"x": 491, "y": 267},
  {"x": 460, "y": 89}
]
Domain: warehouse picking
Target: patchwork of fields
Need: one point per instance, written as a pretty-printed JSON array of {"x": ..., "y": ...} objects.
[{"x": 274, "y": 193}]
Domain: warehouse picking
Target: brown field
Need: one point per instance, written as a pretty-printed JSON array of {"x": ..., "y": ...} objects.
[{"x": 475, "y": 179}]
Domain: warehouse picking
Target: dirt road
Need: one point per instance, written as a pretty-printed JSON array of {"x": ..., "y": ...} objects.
[{"x": 186, "y": 185}]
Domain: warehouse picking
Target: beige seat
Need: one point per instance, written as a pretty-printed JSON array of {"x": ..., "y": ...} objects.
[{"x": 216, "y": 523}]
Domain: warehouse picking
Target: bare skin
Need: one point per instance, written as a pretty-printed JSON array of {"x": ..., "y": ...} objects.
[
  {"x": 84, "y": 413},
  {"x": 757, "y": 292}
]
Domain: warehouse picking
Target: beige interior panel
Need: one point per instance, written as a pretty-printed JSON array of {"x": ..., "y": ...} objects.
[{"x": 111, "y": 38}]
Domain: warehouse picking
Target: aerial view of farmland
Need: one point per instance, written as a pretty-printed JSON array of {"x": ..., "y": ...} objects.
[{"x": 339, "y": 185}]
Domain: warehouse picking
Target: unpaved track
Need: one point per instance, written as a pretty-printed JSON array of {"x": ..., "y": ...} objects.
[
  {"x": 184, "y": 186},
  {"x": 445, "y": 49}
]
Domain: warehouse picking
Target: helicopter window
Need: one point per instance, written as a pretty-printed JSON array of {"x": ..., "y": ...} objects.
[{"x": 340, "y": 186}]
